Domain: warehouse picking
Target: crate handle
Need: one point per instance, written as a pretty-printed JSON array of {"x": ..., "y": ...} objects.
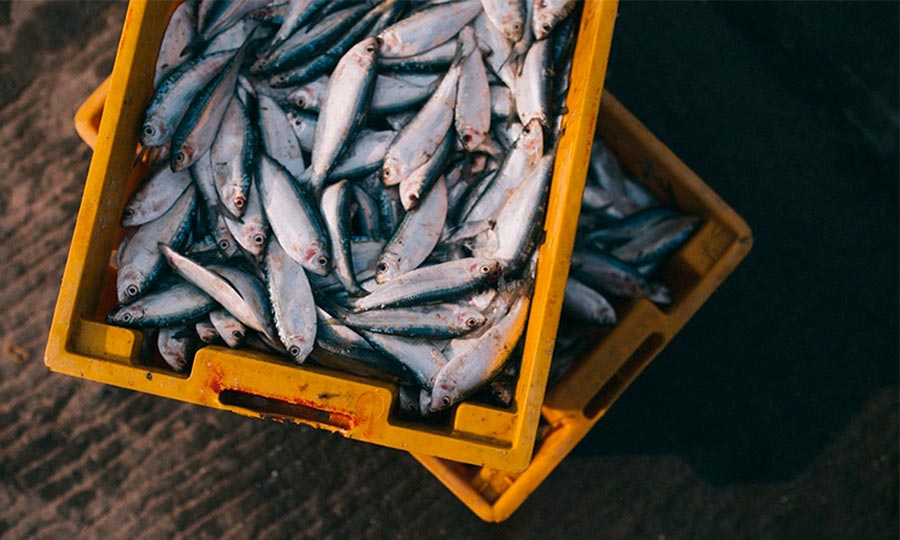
[
  {"x": 623, "y": 377},
  {"x": 267, "y": 407}
]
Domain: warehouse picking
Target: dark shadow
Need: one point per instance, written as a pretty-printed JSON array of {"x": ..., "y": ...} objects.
[{"x": 789, "y": 112}]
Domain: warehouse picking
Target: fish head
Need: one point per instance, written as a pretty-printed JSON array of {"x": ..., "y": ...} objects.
[
  {"x": 183, "y": 157},
  {"x": 256, "y": 232},
  {"x": 387, "y": 267},
  {"x": 512, "y": 24},
  {"x": 365, "y": 52},
  {"x": 317, "y": 259},
  {"x": 532, "y": 138},
  {"x": 543, "y": 21},
  {"x": 154, "y": 132},
  {"x": 410, "y": 192},
  {"x": 235, "y": 199},
  {"x": 207, "y": 333},
  {"x": 133, "y": 212},
  {"x": 391, "y": 171},
  {"x": 224, "y": 241},
  {"x": 306, "y": 97},
  {"x": 128, "y": 285},
  {"x": 260, "y": 65},
  {"x": 484, "y": 268},
  {"x": 470, "y": 318},
  {"x": 444, "y": 395},
  {"x": 129, "y": 315},
  {"x": 471, "y": 137},
  {"x": 229, "y": 329},
  {"x": 298, "y": 347},
  {"x": 391, "y": 43}
]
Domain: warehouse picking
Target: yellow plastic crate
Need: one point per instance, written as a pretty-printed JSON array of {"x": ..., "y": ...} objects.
[
  {"x": 259, "y": 385},
  {"x": 577, "y": 401},
  {"x": 571, "y": 409}
]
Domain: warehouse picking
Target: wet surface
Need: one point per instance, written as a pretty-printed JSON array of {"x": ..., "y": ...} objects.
[{"x": 772, "y": 415}]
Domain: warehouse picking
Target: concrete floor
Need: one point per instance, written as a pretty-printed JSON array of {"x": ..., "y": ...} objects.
[{"x": 772, "y": 415}]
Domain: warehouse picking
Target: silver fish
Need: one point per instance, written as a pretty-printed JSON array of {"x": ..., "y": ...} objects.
[
  {"x": 344, "y": 108},
  {"x": 174, "y": 95},
  {"x": 177, "y": 304},
  {"x": 252, "y": 230},
  {"x": 336, "y": 214},
  {"x": 228, "y": 327},
  {"x": 443, "y": 281},
  {"x": 179, "y": 33},
  {"x": 231, "y": 158},
  {"x": 473, "y": 97},
  {"x": 198, "y": 127},
  {"x": 292, "y": 302},
  {"x": 278, "y": 137},
  {"x": 587, "y": 304},
  {"x": 423, "y": 135},
  {"x": 416, "y": 236},
  {"x": 427, "y": 29},
  {"x": 140, "y": 260},
  {"x": 440, "y": 321},
  {"x": 155, "y": 196},
  {"x": 292, "y": 218},
  {"x": 508, "y": 16},
  {"x": 532, "y": 88},
  {"x": 480, "y": 362},
  {"x": 176, "y": 345},
  {"x": 549, "y": 13}
]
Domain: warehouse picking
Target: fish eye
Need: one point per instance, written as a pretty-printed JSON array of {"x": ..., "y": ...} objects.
[
  {"x": 485, "y": 269},
  {"x": 446, "y": 401},
  {"x": 413, "y": 197},
  {"x": 259, "y": 239},
  {"x": 381, "y": 267},
  {"x": 179, "y": 157},
  {"x": 294, "y": 351},
  {"x": 126, "y": 317},
  {"x": 370, "y": 49},
  {"x": 301, "y": 101},
  {"x": 128, "y": 212},
  {"x": 471, "y": 322},
  {"x": 378, "y": 41},
  {"x": 238, "y": 334},
  {"x": 387, "y": 172},
  {"x": 547, "y": 27},
  {"x": 132, "y": 290},
  {"x": 239, "y": 202},
  {"x": 223, "y": 245},
  {"x": 148, "y": 130},
  {"x": 526, "y": 130},
  {"x": 322, "y": 261},
  {"x": 466, "y": 139}
]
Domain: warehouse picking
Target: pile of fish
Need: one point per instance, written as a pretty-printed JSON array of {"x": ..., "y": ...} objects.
[
  {"x": 624, "y": 235},
  {"x": 357, "y": 182}
]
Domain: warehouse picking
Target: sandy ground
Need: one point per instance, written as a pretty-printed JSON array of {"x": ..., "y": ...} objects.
[{"x": 773, "y": 415}]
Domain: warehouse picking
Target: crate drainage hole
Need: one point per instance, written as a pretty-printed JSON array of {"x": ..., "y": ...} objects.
[
  {"x": 279, "y": 409},
  {"x": 622, "y": 378}
]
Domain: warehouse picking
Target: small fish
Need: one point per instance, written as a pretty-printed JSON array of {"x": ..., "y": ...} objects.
[
  {"x": 548, "y": 14},
  {"x": 292, "y": 302},
  {"x": 170, "y": 305},
  {"x": 140, "y": 261},
  {"x": 427, "y": 29},
  {"x": 176, "y": 345},
  {"x": 293, "y": 219},
  {"x": 344, "y": 108},
  {"x": 587, "y": 304},
  {"x": 416, "y": 236},
  {"x": 229, "y": 328},
  {"x": 442, "y": 282},
  {"x": 155, "y": 196}
]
